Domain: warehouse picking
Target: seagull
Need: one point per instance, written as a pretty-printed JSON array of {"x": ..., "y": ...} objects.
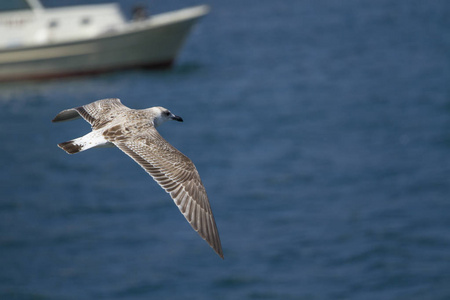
[{"x": 134, "y": 132}]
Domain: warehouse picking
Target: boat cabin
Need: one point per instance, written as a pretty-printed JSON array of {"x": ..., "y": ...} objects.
[{"x": 28, "y": 23}]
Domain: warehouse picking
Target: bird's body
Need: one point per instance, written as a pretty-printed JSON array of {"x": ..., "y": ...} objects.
[{"x": 134, "y": 132}]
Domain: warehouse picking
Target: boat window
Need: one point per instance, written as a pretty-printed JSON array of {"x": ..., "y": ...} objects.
[
  {"x": 14, "y": 5},
  {"x": 53, "y": 24},
  {"x": 86, "y": 21}
]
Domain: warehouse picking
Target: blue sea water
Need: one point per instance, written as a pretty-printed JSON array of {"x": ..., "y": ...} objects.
[{"x": 321, "y": 130}]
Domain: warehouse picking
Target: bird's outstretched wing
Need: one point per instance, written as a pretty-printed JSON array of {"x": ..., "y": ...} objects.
[
  {"x": 97, "y": 113},
  {"x": 174, "y": 172}
]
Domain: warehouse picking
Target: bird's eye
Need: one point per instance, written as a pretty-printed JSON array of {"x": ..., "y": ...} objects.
[{"x": 167, "y": 113}]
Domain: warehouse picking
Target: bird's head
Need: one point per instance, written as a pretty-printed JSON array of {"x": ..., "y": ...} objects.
[{"x": 162, "y": 115}]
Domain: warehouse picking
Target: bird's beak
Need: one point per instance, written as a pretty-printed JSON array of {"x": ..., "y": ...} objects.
[{"x": 176, "y": 118}]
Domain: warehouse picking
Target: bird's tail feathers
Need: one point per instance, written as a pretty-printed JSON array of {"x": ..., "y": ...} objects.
[
  {"x": 93, "y": 139},
  {"x": 71, "y": 147}
]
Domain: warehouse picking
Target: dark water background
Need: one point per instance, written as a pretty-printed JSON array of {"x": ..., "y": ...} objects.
[{"x": 321, "y": 130}]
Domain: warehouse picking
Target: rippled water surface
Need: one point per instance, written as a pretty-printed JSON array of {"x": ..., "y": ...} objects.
[{"x": 321, "y": 130}]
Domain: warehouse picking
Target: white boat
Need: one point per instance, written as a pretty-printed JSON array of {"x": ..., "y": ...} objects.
[{"x": 38, "y": 42}]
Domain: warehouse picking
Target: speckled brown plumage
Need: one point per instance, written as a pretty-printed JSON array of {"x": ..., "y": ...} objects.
[{"x": 134, "y": 132}]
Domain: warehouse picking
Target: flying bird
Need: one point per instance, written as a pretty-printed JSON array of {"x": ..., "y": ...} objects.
[{"x": 134, "y": 132}]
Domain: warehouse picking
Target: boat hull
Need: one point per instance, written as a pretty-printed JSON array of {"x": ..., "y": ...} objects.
[{"x": 147, "y": 45}]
